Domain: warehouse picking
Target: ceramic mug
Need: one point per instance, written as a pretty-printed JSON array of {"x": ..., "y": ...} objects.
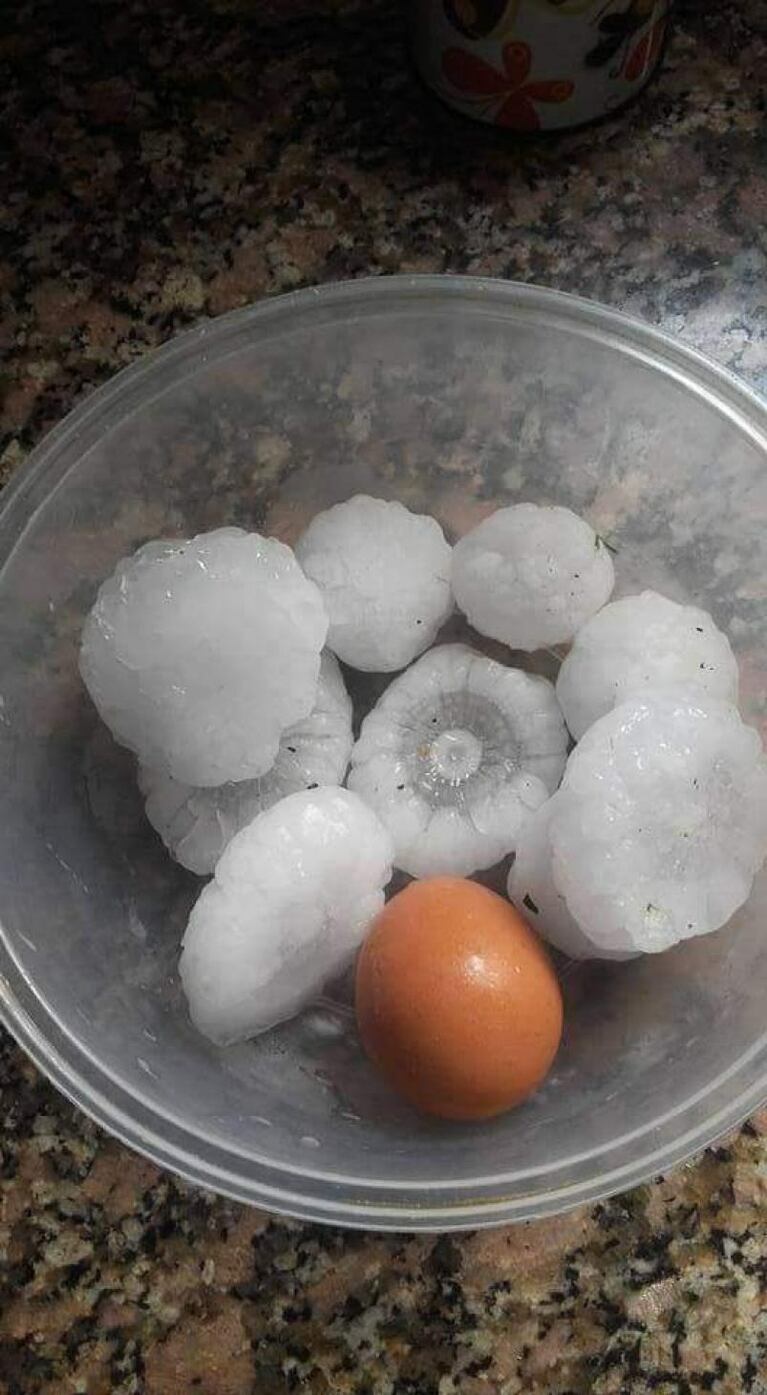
[{"x": 538, "y": 65}]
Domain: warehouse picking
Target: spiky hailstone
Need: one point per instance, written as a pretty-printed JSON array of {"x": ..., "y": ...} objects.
[
  {"x": 198, "y": 654},
  {"x": 536, "y": 896},
  {"x": 384, "y": 575},
  {"x": 456, "y": 756},
  {"x": 661, "y": 821},
  {"x": 290, "y": 902},
  {"x": 197, "y": 823},
  {"x": 531, "y": 575},
  {"x": 644, "y": 641}
]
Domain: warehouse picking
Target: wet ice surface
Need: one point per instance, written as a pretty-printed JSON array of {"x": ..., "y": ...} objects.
[
  {"x": 530, "y": 575},
  {"x": 534, "y": 892},
  {"x": 639, "y": 642},
  {"x": 384, "y": 575},
  {"x": 199, "y": 654},
  {"x": 454, "y": 758},
  {"x": 459, "y": 758},
  {"x": 291, "y": 901},
  {"x": 661, "y": 821},
  {"x": 197, "y": 823}
]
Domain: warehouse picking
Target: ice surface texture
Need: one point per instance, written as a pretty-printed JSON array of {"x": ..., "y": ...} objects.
[
  {"x": 198, "y": 654},
  {"x": 639, "y": 642},
  {"x": 537, "y": 897},
  {"x": 291, "y": 901},
  {"x": 384, "y": 574},
  {"x": 530, "y": 576},
  {"x": 455, "y": 757},
  {"x": 661, "y": 820},
  {"x": 197, "y": 823}
]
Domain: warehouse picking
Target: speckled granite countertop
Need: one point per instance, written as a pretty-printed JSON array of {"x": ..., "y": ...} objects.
[{"x": 174, "y": 159}]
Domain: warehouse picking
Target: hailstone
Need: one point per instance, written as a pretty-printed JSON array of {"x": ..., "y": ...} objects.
[
  {"x": 661, "y": 821},
  {"x": 530, "y": 575},
  {"x": 198, "y": 654},
  {"x": 291, "y": 900},
  {"x": 644, "y": 641},
  {"x": 455, "y": 757},
  {"x": 196, "y": 823},
  {"x": 384, "y": 574},
  {"x": 537, "y": 897}
]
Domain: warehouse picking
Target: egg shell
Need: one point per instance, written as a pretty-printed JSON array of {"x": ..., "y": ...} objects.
[{"x": 457, "y": 1001}]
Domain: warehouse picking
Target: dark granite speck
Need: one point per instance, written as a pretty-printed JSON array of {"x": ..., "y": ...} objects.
[{"x": 168, "y": 160}]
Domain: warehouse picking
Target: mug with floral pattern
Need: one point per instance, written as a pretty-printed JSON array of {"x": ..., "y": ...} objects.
[{"x": 530, "y": 65}]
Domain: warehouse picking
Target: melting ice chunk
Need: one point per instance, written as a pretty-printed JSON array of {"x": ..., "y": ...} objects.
[
  {"x": 384, "y": 574},
  {"x": 530, "y": 575},
  {"x": 661, "y": 820},
  {"x": 536, "y": 896},
  {"x": 198, "y": 654},
  {"x": 644, "y": 641},
  {"x": 196, "y": 823},
  {"x": 290, "y": 902},
  {"x": 455, "y": 757}
]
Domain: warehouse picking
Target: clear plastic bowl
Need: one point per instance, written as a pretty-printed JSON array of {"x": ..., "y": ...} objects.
[{"x": 455, "y": 396}]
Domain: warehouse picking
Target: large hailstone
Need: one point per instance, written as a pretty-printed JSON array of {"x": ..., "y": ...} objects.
[
  {"x": 198, "y": 654},
  {"x": 661, "y": 821},
  {"x": 384, "y": 574},
  {"x": 196, "y": 823},
  {"x": 530, "y": 576},
  {"x": 290, "y": 902},
  {"x": 455, "y": 757},
  {"x": 537, "y": 897},
  {"x": 644, "y": 641}
]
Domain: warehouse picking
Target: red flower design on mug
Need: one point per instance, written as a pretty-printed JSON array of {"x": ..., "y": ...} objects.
[
  {"x": 643, "y": 56},
  {"x": 509, "y": 91}
]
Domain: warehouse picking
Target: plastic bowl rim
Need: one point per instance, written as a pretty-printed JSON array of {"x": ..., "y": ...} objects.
[{"x": 720, "y": 387}]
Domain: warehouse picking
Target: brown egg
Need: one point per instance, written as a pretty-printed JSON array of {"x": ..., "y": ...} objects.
[{"x": 457, "y": 1002}]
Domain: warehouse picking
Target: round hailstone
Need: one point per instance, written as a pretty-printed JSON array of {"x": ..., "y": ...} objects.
[
  {"x": 455, "y": 757},
  {"x": 661, "y": 821},
  {"x": 290, "y": 902},
  {"x": 198, "y": 654},
  {"x": 530, "y": 576},
  {"x": 197, "y": 823},
  {"x": 535, "y": 895},
  {"x": 384, "y": 574},
  {"x": 644, "y": 641}
]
